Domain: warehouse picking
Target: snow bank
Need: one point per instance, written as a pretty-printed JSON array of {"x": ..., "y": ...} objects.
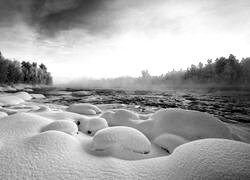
[
  {"x": 126, "y": 137},
  {"x": 28, "y": 153},
  {"x": 201, "y": 159},
  {"x": 57, "y": 155},
  {"x": 85, "y": 109}
]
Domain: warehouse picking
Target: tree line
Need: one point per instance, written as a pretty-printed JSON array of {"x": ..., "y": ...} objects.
[
  {"x": 221, "y": 71},
  {"x": 12, "y": 71},
  {"x": 228, "y": 71}
]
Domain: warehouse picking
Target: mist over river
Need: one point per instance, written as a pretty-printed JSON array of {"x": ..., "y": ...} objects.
[{"x": 228, "y": 106}]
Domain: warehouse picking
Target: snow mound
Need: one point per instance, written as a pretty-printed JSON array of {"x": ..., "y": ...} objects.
[
  {"x": 23, "y": 95},
  {"x": 169, "y": 142},
  {"x": 119, "y": 116},
  {"x": 126, "y": 137},
  {"x": 3, "y": 114},
  {"x": 41, "y": 108},
  {"x": 84, "y": 108},
  {"x": 66, "y": 126},
  {"x": 179, "y": 125},
  {"x": 21, "y": 125},
  {"x": 37, "y": 96},
  {"x": 10, "y": 100},
  {"x": 91, "y": 125},
  {"x": 191, "y": 125}
]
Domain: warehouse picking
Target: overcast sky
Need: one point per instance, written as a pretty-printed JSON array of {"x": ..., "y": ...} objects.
[{"x": 111, "y": 38}]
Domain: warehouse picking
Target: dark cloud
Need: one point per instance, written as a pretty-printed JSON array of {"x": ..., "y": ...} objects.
[
  {"x": 49, "y": 17},
  {"x": 53, "y": 16},
  {"x": 100, "y": 17}
]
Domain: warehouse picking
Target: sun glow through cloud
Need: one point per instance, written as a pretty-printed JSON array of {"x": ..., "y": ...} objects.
[{"x": 161, "y": 37}]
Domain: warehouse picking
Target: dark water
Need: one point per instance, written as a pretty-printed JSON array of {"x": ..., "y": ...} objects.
[{"x": 228, "y": 106}]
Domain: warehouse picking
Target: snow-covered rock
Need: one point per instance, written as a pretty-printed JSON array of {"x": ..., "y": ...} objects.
[
  {"x": 91, "y": 125},
  {"x": 85, "y": 109},
  {"x": 82, "y": 93},
  {"x": 63, "y": 126},
  {"x": 23, "y": 95},
  {"x": 126, "y": 137},
  {"x": 57, "y": 93},
  {"x": 10, "y": 100},
  {"x": 41, "y": 108},
  {"x": 28, "y": 90},
  {"x": 37, "y": 96},
  {"x": 3, "y": 114},
  {"x": 122, "y": 117}
]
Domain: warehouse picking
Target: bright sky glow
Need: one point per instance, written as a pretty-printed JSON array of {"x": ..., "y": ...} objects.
[{"x": 159, "y": 38}]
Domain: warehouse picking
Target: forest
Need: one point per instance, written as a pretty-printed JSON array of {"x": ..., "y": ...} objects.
[
  {"x": 12, "y": 72},
  {"x": 219, "y": 72}
]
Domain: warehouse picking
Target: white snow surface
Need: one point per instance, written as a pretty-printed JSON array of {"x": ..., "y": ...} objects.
[
  {"x": 45, "y": 144},
  {"x": 84, "y": 108}
]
